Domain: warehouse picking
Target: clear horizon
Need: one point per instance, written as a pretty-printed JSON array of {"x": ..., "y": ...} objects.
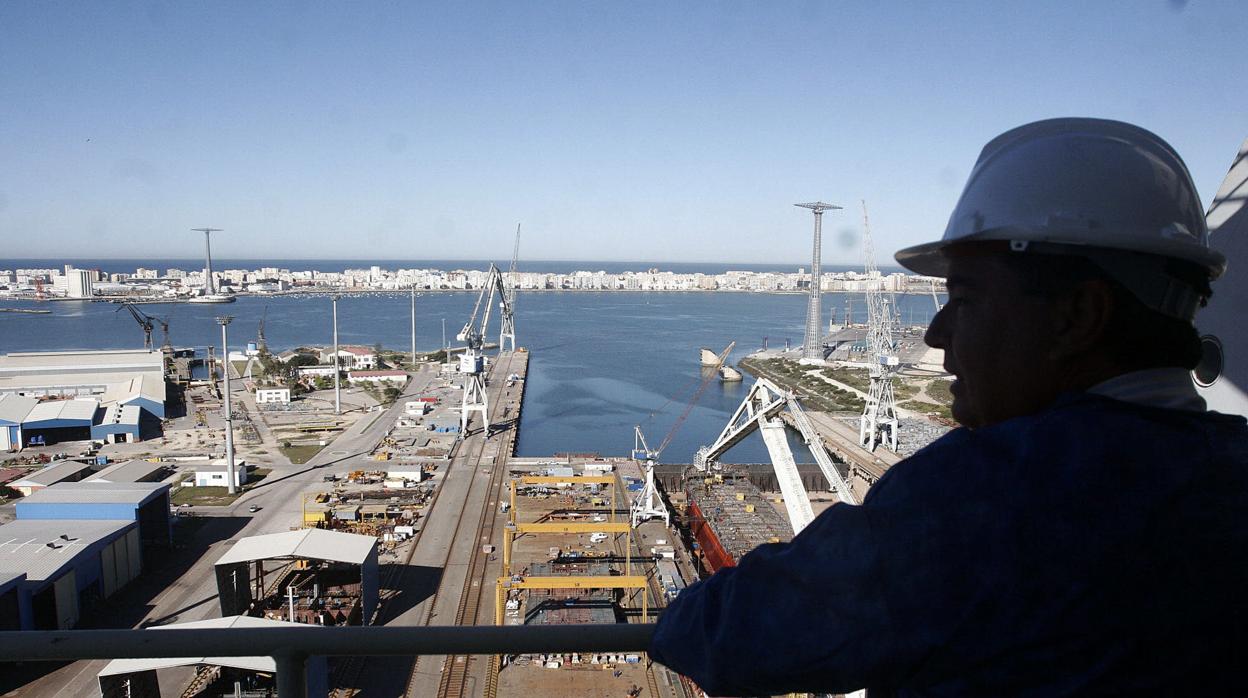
[{"x": 609, "y": 132}]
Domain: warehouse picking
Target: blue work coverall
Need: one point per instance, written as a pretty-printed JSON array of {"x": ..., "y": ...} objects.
[{"x": 1098, "y": 547}]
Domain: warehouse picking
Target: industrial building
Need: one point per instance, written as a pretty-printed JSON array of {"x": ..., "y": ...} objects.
[
  {"x": 51, "y": 474},
  {"x": 323, "y": 577},
  {"x": 128, "y": 678},
  {"x": 13, "y": 409},
  {"x": 145, "y": 503},
  {"x": 49, "y": 397},
  {"x": 74, "y": 373},
  {"x": 51, "y": 569},
  {"x": 132, "y": 471},
  {"x": 118, "y": 425}
]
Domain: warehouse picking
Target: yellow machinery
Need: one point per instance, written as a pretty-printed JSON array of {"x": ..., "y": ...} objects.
[
  {"x": 514, "y": 529},
  {"x": 625, "y": 582}
]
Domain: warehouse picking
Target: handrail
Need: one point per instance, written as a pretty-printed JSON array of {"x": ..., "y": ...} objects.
[
  {"x": 291, "y": 647},
  {"x": 43, "y": 645}
]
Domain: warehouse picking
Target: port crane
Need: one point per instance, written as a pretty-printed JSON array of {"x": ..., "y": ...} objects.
[
  {"x": 148, "y": 323},
  {"x": 878, "y": 423},
  {"x": 472, "y": 360},
  {"x": 648, "y": 504},
  {"x": 760, "y": 411},
  {"x": 262, "y": 345},
  {"x": 508, "y": 301}
]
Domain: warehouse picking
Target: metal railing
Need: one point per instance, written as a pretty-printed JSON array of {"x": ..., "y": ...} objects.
[{"x": 290, "y": 648}]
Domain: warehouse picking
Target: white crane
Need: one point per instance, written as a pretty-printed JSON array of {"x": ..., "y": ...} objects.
[
  {"x": 472, "y": 361},
  {"x": 508, "y": 301},
  {"x": 648, "y": 504},
  {"x": 760, "y": 411},
  {"x": 878, "y": 423}
]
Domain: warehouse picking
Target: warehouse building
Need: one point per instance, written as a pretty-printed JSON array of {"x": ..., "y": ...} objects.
[
  {"x": 118, "y": 425},
  {"x": 51, "y": 474},
  {"x": 15, "y": 613},
  {"x": 132, "y": 471},
  {"x": 60, "y": 420},
  {"x": 56, "y": 568},
  {"x": 13, "y": 409},
  {"x": 145, "y": 503}
]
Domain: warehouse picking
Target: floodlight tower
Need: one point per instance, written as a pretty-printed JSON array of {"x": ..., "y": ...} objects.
[
  {"x": 812, "y": 348},
  {"x": 413, "y": 328},
  {"x": 878, "y": 423},
  {"x": 337, "y": 363},
  {"x": 224, "y": 320},
  {"x": 209, "y": 286}
]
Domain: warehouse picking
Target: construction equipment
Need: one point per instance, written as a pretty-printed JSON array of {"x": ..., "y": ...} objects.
[
  {"x": 508, "y": 301},
  {"x": 148, "y": 323},
  {"x": 760, "y": 411},
  {"x": 648, "y": 504},
  {"x": 472, "y": 361},
  {"x": 878, "y": 423}
]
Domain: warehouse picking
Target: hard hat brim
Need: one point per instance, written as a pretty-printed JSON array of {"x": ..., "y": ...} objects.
[
  {"x": 932, "y": 258},
  {"x": 928, "y": 259}
]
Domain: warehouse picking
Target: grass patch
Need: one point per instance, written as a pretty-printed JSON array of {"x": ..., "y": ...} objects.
[
  {"x": 939, "y": 390},
  {"x": 301, "y": 453},
  {"x": 203, "y": 496},
  {"x": 814, "y": 392},
  {"x": 215, "y": 496}
]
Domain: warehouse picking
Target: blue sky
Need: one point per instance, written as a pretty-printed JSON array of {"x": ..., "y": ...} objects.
[{"x": 614, "y": 131}]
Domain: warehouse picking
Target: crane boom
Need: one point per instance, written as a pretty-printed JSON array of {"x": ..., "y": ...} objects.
[{"x": 145, "y": 321}]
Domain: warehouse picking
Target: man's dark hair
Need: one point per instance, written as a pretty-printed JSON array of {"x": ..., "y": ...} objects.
[{"x": 1139, "y": 337}]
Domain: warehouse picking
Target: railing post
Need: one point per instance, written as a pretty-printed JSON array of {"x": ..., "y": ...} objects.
[{"x": 292, "y": 675}]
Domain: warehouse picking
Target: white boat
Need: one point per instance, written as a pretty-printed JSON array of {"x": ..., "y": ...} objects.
[{"x": 212, "y": 298}]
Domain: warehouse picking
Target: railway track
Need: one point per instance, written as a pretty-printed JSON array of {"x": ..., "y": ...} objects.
[
  {"x": 348, "y": 676},
  {"x": 455, "y": 668}
]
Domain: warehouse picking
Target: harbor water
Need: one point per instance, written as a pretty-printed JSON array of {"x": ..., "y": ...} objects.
[{"x": 601, "y": 361}]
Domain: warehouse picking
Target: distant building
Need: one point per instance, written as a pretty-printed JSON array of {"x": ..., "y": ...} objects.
[
  {"x": 214, "y": 474},
  {"x": 78, "y": 283},
  {"x": 377, "y": 377},
  {"x": 352, "y": 357},
  {"x": 273, "y": 395}
]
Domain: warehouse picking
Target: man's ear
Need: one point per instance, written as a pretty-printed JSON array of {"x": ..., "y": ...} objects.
[{"x": 1081, "y": 318}]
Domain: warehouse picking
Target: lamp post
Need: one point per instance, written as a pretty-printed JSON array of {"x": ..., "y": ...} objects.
[
  {"x": 337, "y": 364},
  {"x": 413, "y": 328},
  {"x": 224, "y": 320}
]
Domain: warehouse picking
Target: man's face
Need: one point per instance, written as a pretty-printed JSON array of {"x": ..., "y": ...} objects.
[{"x": 996, "y": 339}]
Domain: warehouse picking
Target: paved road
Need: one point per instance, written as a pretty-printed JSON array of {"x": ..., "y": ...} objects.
[{"x": 193, "y": 595}]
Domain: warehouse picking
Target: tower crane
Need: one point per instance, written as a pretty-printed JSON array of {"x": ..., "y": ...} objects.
[
  {"x": 878, "y": 423},
  {"x": 508, "y": 330},
  {"x": 648, "y": 504},
  {"x": 472, "y": 361}
]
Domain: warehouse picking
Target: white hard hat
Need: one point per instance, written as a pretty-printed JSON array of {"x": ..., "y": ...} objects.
[{"x": 1087, "y": 187}]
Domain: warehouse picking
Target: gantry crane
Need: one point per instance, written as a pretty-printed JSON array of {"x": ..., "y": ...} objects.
[
  {"x": 878, "y": 423},
  {"x": 648, "y": 504},
  {"x": 472, "y": 361},
  {"x": 760, "y": 411}
]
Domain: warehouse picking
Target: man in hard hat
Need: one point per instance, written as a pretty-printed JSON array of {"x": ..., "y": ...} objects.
[{"x": 1086, "y": 531}]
